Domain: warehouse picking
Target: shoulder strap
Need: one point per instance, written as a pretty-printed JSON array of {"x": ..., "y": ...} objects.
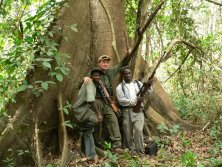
[
  {"x": 138, "y": 84},
  {"x": 123, "y": 88}
]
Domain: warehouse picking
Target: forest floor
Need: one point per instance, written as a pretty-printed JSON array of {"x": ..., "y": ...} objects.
[{"x": 185, "y": 149}]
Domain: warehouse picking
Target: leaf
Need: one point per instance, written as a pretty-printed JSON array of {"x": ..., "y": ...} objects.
[
  {"x": 20, "y": 152},
  {"x": 50, "y": 34},
  {"x": 59, "y": 77},
  {"x": 51, "y": 82},
  {"x": 64, "y": 70},
  {"x": 45, "y": 59},
  {"x": 183, "y": 160},
  {"x": 45, "y": 85},
  {"x": 38, "y": 82},
  {"x": 66, "y": 111},
  {"x": 66, "y": 39},
  {"x": 13, "y": 100},
  {"x": 107, "y": 145},
  {"x": 107, "y": 164},
  {"x": 46, "y": 64},
  {"x": 30, "y": 86},
  {"x": 50, "y": 53},
  {"x": 22, "y": 88},
  {"x": 68, "y": 124},
  {"x": 73, "y": 27}
]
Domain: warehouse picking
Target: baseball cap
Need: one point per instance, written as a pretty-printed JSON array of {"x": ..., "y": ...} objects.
[
  {"x": 104, "y": 57},
  {"x": 96, "y": 70}
]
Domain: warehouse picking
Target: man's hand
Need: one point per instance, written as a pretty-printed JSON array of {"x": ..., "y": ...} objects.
[
  {"x": 87, "y": 80},
  {"x": 150, "y": 81},
  {"x": 140, "y": 99},
  {"x": 97, "y": 111},
  {"x": 119, "y": 114}
]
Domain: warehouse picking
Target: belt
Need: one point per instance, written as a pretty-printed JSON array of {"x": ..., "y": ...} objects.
[
  {"x": 126, "y": 107},
  {"x": 99, "y": 98}
]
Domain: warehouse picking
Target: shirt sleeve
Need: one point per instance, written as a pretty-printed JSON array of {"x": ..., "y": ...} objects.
[
  {"x": 112, "y": 72},
  {"x": 90, "y": 92},
  {"x": 123, "y": 101}
]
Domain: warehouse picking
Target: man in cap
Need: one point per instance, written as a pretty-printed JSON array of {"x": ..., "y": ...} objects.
[
  {"x": 109, "y": 118},
  {"x": 87, "y": 114},
  {"x": 133, "y": 123}
]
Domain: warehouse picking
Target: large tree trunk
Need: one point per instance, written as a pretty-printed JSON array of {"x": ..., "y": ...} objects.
[{"x": 36, "y": 122}]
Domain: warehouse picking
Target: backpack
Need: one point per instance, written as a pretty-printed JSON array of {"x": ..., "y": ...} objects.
[{"x": 151, "y": 148}]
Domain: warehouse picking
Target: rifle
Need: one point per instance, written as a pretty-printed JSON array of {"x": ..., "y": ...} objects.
[
  {"x": 146, "y": 86},
  {"x": 105, "y": 95},
  {"x": 106, "y": 98}
]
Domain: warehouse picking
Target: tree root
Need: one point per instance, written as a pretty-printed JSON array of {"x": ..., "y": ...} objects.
[
  {"x": 8, "y": 135},
  {"x": 65, "y": 157},
  {"x": 38, "y": 150}
]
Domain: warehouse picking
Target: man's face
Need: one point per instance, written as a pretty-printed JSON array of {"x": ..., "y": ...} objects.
[
  {"x": 96, "y": 76},
  {"x": 104, "y": 64},
  {"x": 127, "y": 75}
]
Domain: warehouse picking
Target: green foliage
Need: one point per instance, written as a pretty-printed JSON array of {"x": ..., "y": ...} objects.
[
  {"x": 24, "y": 86},
  {"x": 164, "y": 129},
  {"x": 213, "y": 162},
  {"x": 185, "y": 142},
  {"x": 111, "y": 158},
  {"x": 22, "y": 152},
  {"x": 196, "y": 87},
  {"x": 130, "y": 16},
  {"x": 49, "y": 165},
  {"x": 24, "y": 43},
  {"x": 107, "y": 145},
  {"x": 188, "y": 159},
  {"x": 67, "y": 107},
  {"x": 200, "y": 108},
  {"x": 9, "y": 162},
  {"x": 217, "y": 148},
  {"x": 68, "y": 123}
]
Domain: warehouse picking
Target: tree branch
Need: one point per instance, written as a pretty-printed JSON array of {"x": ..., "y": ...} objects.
[
  {"x": 179, "y": 65},
  {"x": 216, "y": 3},
  {"x": 140, "y": 32},
  {"x": 161, "y": 38},
  {"x": 168, "y": 50},
  {"x": 175, "y": 42}
]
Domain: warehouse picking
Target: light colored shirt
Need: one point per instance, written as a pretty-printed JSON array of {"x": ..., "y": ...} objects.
[{"x": 127, "y": 93}]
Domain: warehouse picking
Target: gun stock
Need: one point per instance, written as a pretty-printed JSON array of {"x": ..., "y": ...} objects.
[
  {"x": 146, "y": 86},
  {"x": 113, "y": 105},
  {"x": 142, "y": 92},
  {"x": 137, "y": 107}
]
